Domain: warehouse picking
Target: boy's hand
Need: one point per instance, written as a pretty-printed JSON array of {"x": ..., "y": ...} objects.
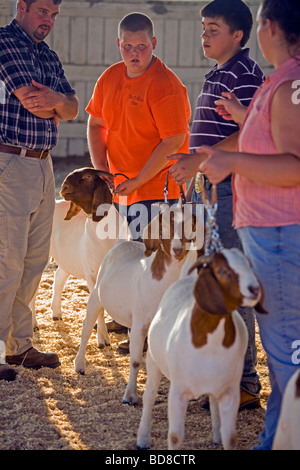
[
  {"x": 230, "y": 108},
  {"x": 186, "y": 167}
]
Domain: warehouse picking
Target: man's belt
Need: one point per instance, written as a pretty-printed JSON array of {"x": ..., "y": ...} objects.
[{"x": 28, "y": 153}]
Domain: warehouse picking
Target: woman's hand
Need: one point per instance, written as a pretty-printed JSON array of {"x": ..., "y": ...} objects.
[{"x": 217, "y": 165}]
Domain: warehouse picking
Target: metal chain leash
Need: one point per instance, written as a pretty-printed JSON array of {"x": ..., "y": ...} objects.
[{"x": 212, "y": 238}]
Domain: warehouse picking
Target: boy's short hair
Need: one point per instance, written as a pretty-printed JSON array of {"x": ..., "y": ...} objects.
[
  {"x": 236, "y": 15},
  {"x": 134, "y": 22}
]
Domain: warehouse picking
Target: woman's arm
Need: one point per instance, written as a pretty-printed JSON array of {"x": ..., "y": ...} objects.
[{"x": 282, "y": 169}]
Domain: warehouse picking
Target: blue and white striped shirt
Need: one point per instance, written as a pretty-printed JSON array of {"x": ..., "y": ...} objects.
[
  {"x": 240, "y": 75},
  {"x": 21, "y": 60}
]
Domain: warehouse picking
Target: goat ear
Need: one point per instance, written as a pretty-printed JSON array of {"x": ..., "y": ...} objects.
[
  {"x": 259, "y": 306},
  {"x": 208, "y": 293},
  {"x": 74, "y": 209},
  {"x": 152, "y": 234},
  {"x": 102, "y": 195}
]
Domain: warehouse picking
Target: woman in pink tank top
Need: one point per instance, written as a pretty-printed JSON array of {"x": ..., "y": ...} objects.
[{"x": 266, "y": 187}]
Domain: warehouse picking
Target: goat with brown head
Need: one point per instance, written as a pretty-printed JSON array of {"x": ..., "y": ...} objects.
[
  {"x": 225, "y": 282},
  {"x": 198, "y": 340},
  {"x": 229, "y": 277},
  {"x": 87, "y": 189},
  {"x": 170, "y": 234}
]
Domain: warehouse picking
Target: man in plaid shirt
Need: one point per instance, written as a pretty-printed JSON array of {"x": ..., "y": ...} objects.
[{"x": 34, "y": 96}]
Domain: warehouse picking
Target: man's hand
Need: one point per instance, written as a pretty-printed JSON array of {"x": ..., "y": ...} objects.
[
  {"x": 43, "y": 102},
  {"x": 40, "y": 98}
]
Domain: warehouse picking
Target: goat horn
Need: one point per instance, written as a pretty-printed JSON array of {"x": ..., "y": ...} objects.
[
  {"x": 200, "y": 262},
  {"x": 105, "y": 173}
]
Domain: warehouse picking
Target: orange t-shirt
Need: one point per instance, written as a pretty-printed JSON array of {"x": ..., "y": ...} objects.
[{"x": 139, "y": 113}]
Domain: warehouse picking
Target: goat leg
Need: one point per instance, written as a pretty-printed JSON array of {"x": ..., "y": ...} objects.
[
  {"x": 152, "y": 384},
  {"x": 92, "y": 312},
  {"x": 228, "y": 408},
  {"x": 215, "y": 419},
  {"x": 177, "y": 406},
  {"x": 137, "y": 340},
  {"x": 60, "y": 278}
]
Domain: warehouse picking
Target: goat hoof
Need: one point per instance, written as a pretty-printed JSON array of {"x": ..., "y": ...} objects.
[
  {"x": 102, "y": 345},
  {"x": 130, "y": 401},
  {"x": 79, "y": 367},
  {"x": 36, "y": 328},
  {"x": 143, "y": 447},
  {"x": 57, "y": 318}
]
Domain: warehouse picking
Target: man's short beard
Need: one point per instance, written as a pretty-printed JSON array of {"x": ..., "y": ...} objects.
[{"x": 40, "y": 36}]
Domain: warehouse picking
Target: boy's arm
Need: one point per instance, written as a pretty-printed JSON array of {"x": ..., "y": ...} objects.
[
  {"x": 154, "y": 164},
  {"x": 97, "y": 137}
]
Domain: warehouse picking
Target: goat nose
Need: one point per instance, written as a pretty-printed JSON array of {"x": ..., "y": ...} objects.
[{"x": 177, "y": 251}]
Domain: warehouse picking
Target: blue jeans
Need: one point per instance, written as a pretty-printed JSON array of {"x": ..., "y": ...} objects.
[
  {"x": 275, "y": 256},
  {"x": 140, "y": 214},
  {"x": 230, "y": 239}
]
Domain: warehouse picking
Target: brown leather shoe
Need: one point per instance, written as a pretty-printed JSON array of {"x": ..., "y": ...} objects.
[
  {"x": 34, "y": 359},
  {"x": 113, "y": 327},
  {"x": 7, "y": 373},
  {"x": 124, "y": 347},
  {"x": 248, "y": 402}
]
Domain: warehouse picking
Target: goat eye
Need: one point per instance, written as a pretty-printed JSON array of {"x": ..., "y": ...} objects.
[{"x": 224, "y": 272}]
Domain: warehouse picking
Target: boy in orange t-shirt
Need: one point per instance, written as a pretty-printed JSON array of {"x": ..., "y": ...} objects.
[{"x": 139, "y": 114}]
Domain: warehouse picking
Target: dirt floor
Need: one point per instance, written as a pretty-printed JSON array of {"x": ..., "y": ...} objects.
[{"x": 61, "y": 410}]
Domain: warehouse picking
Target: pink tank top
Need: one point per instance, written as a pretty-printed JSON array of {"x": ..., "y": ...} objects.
[{"x": 257, "y": 204}]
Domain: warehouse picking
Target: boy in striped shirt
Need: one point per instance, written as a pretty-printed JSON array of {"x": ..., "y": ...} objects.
[{"x": 226, "y": 29}]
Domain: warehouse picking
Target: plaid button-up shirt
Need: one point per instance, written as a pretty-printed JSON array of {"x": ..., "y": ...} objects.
[{"x": 22, "y": 60}]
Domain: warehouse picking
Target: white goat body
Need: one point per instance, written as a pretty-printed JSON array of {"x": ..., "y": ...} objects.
[
  {"x": 76, "y": 249},
  {"x": 130, "y": 284},
  {"x": 198, "y": 340},
  {"x": 75, "y": 244},
  {"x": 287, "y": 436}
]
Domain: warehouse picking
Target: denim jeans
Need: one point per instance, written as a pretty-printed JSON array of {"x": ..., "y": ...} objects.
[
  {"x": 275, "y": 256},
  {"x": 139, "y": 215},
  {"x": 230, "y": 239}
]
